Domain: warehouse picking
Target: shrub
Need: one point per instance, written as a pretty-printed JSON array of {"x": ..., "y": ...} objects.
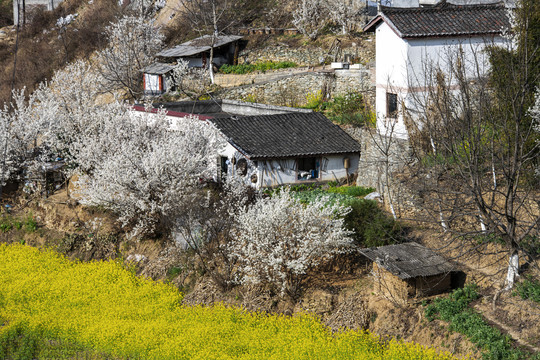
[
  {"x": 350, "y": 109},
  {"x": 259, "y": 66},
  {"x": 371, "y": 225}
]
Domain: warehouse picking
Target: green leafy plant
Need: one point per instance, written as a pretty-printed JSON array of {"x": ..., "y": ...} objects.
[
  {"x": 30, "y": 224},
  {"x": 259, "y": 66},
  {"x": 350, "y": 109},
  {"x": 351, "y": 190},
  {"x": 455, "y": 310},
  {"x": 529, "y": 289}
]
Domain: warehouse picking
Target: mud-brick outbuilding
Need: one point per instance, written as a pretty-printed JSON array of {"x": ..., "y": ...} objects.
[{"x": 406, "y": 271}]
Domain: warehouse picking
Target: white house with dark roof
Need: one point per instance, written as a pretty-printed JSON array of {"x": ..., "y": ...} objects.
[
  {"x": 411, "y": 40},
  {"x": 290, "y": 148},
  {"x": 197, "y": 51},
  {"x": 279, "y": 145}
]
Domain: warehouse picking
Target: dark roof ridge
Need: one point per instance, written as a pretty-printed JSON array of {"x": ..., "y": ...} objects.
[
  {"x": 444, "y": 20},
  {"x": 286, "y": 135},
  {"x": 445, "y": 6}
]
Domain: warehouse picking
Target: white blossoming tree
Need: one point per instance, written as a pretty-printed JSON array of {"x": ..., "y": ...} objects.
[
  {"x": 149, "y": 173},
  {"x": 346, "y": 14},
  {"x": 133, "y": 42},
  {"x": 279, "y": 239},
  {"x": 19, "y": 132},
  {"x": 310, "y": 18}
]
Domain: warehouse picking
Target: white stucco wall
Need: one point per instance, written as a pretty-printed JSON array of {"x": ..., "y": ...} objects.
[
  {"x": 402, "y": 65},
  {"x": 391, "y": 76},
  {"x": 274, "y": 172}
]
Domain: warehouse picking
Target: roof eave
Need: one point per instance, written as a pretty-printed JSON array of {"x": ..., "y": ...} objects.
[
  {"x": 372, "y": 25},
  {"x": 464, "y": 34},
  {"x": 291, "y": 156}
]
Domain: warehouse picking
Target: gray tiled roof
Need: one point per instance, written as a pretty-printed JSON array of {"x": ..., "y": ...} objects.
[
  {"x": 157, "y": 68},
  {"x": 444, "y": 20},
  {"x": 198, "y": 45},
  {"x": 408, "y": 260},
  {"x": 286, "y": 135}
]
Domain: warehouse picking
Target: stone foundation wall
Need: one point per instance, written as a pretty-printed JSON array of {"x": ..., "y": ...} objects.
[
  {"x": 292, "y": 89},
  {"x": 362, "y": 49},
  {"x": 383, "y": 161}
]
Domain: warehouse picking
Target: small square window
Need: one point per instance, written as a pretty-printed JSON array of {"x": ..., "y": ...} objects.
[{"x": 391, "y": 105}]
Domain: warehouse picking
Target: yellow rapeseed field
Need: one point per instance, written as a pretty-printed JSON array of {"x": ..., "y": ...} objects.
[{"x": 106, "y": 308}]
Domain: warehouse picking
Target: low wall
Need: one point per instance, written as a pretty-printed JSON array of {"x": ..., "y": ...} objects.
[
  {"x": 383, "y": 161},
  {"x": 248, "y": 109},
  {"x": 232, "y": 80},
  {"x": 361, "y": 48}
]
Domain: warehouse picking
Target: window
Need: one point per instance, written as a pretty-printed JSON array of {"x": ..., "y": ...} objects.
[
  {"x": 308, "y": 168},
  {"x": 391, "y": 105}
]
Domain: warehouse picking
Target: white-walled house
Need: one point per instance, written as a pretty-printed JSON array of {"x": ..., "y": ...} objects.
[
  {"x": 196, "y": 53},
  {"x": 279, "y": 145},
  {"x": 291, "y": 148},
  {"x": 411, "y": 42}
]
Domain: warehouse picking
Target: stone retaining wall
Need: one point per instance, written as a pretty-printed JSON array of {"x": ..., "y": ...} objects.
[
  {"x": 293, "y": 89},
  {"x": 382, "y": 162},
  {"x": 363, "y": 48}
]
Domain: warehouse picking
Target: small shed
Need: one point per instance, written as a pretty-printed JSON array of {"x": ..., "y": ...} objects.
[
  {"x": 197, "y": 51},
  {"x": 409, "y": 270},
  {"x": 156, "y": 78}
]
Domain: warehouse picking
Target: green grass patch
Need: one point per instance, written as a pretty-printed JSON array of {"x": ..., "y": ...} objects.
[
  {"x": 461, "y": 318},
  {"x": 8, "y": 223},
  {"x": 528, "y": 289},
  {"x": 259, "y": 66},
  {"x": 350, "y": 108}
]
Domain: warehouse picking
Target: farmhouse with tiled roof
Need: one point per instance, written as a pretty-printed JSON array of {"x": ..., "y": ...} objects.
[
  {"x": 413, "y": 41},
  {"x": 271, "y": 150}
]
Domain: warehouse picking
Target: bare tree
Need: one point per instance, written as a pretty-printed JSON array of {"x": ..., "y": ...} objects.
[
  {"x": 476, "y": 136},
  {"x": 310, "y": 17}
]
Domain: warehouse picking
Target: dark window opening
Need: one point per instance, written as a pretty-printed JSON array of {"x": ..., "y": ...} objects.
[
  {"x": 308, "y": 168},
  {"x": 241, "y": 167},
  {"x": 224, "y": 167},
  {"x": 391, "y": 105}
]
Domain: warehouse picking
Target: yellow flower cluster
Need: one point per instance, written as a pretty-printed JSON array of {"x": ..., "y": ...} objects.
[{"x": 108, "y": 309}]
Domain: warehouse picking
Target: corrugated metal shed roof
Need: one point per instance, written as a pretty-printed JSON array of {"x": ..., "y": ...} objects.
[
  {"x": 198, "y": 45},
  {"x": 286, "y": 135},
  {"x": 444, "y": 20},
  {"x": 157, "y": 68},
  {"x": 408, "y": 260}
]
